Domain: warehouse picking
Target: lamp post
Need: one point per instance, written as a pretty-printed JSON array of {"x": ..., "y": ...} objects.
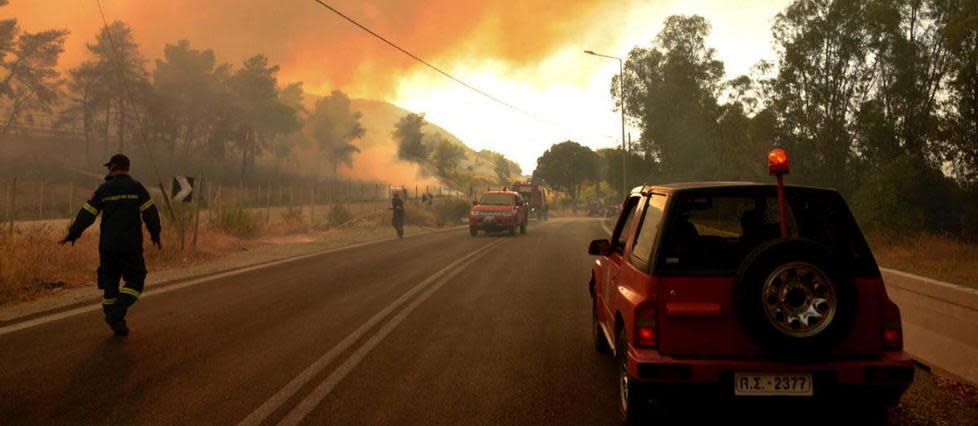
[{"x": 621, "y": 96}]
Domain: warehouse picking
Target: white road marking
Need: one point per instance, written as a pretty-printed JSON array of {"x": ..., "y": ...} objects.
[
  {"x": 944, "y": 284},
  {"x": 168, "y": 288},
  {"x": 315, "y": 397},
  {"x": 289, "y": 390}
]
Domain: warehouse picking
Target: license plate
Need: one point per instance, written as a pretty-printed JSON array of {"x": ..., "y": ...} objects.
[{"x": 768, "y": 384}]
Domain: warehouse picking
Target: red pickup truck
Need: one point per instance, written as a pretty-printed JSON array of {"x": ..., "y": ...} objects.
[
  {"x": 743, "y": 292},
  {"x": 499, "y": 211}
]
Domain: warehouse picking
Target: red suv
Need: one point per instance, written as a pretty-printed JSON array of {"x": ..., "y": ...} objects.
[
  {"x": 499, "y": 211},
  {"x": 744, "y": 291}
]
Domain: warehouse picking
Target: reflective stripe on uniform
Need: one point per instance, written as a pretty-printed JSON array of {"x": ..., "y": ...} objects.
[
  {"x": 88, "y": 207},
  {"x": 146, "y": 205},
  {"x": 108, "y": 301},
  {"x": 121, "y": 197},
  {"x": 129, "y": 291}
]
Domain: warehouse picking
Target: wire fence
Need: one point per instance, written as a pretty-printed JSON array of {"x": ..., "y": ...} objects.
[{"x": 23, "y": 201}]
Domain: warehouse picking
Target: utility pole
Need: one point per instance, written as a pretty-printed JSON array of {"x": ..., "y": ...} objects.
[{"x": 621, "y": 97}]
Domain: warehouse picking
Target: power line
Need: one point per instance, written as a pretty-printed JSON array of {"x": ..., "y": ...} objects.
[
  {"x": 120, "y": 67},
  {"x": 429, "y": 65}
]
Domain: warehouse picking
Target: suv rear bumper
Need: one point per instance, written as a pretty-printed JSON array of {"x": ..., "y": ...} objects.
[
  {"x": 498, "y": 223},
  {"x": 882, "y": 379}
]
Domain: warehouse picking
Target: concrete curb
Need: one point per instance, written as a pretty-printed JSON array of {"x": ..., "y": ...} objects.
[
  {"x": 951, "y": 293},
  {"x": 940, "y": 322}
]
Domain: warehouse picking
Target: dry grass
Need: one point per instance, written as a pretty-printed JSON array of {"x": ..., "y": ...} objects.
[
  {"x": 32, "y": 263},
  {"x": 930, "y": 255}
]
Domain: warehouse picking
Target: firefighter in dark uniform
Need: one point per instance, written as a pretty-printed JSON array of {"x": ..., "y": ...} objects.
[
  {"x": 125, "y": 205},
  {"x": 397, "y": 205}
]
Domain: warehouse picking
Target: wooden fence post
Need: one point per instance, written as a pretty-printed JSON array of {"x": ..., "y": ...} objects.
[
  {"x": 40, "y": 205},
  {"x": 312, "y": 203},
  {"x": 71, "y": 198},
  {"x": 173, "y": 216},
  {"x": 12, "y": 210},
  {"x": 200, "y": 191},
  {"x": 268, "y": 204}
]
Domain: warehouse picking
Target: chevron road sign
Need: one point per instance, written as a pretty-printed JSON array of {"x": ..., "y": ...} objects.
[{"x": 183, "y": 188}]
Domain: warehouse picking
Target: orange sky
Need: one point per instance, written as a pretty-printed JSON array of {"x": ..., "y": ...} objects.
[{"x": 525, "y": 51}]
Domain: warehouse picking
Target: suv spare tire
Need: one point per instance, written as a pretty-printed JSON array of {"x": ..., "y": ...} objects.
[{"x": 795, "y": 297}]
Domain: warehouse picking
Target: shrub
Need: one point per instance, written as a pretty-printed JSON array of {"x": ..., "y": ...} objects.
[
  {"x": 415, "y": 213},
  {"x": 292, "y": 215},
  {"x": 451, "y": 211},
  {"x": 338, "y": 215},
  {"x": 237, "y": 221},
  {"x": 909, "y": 195}
]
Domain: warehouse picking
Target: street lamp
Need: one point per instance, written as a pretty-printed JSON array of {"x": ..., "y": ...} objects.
[{"x": 621, "y": 95}]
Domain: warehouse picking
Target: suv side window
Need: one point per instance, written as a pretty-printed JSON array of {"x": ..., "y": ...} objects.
[
  {"x": 648, "y": 232},
  {"x": 620, "y": 236}
]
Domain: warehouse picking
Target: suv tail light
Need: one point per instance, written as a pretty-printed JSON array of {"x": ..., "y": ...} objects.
[
  {"x": 646, "y": 324},
  {"x": 891, "y": 330}
]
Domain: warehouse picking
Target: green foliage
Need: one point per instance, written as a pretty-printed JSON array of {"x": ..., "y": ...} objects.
[
  {"x": 409, "y": 137},
  {"x": 638, "y": 170},
  {"x": 338, "y": 215},
  {"x": 190, "y": 86},
  {"x": 603, "y": 192},
  {"x": 446, "y": 156},
  {"x": 117, "y": 81},
  {"x": 451, "y": 211},
  {"x": 237, "y": 221},
  {"x": 566, "y": 166},
  {"x": 960, "y": 125},
  {"x": 30, "y": 81},
  {"x": 259, "y": 112},
  {"x": 671, "y": 91},
  {"x": 872, "y": 98},
  {"x": 334, "y": 126},
  {"x": 908, "y": 195},
  {"x": 969, "y": 214}
]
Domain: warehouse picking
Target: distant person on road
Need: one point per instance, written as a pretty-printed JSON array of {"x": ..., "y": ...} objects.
[
  {"x": 397, "y": 205},
  {"x": 125, "y": 205}
]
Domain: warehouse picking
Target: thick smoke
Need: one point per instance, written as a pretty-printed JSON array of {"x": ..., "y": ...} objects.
[
  {"x": 317, "y": 47},
  {"x": 314, "y": 46}
]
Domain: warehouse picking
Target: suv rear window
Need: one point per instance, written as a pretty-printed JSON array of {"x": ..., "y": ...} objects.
[
  {"x": 711, "y": 231},
  {"x": 498, "y": 200}
]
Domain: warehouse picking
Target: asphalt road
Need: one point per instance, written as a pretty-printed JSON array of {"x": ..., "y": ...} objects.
[{"x": 435, "y": 329}]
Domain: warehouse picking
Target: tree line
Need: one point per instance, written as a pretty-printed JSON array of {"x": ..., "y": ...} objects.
[
  {"x": 878, "y": 99},
  {"x": 443, "y": 158},
  {"x": 187, "y": 111}
]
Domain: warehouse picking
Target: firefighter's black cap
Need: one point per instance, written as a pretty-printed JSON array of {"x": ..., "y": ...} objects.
[{"x": 119, "y": 160}]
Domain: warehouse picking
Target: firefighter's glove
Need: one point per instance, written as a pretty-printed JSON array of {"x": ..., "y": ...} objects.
[
  {"x": 68, "y": 239},
  {"x": 156, "y": 242}
]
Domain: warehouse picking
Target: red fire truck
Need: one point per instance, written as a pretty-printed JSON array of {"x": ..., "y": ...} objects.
[{"x": 536, "y": 195}]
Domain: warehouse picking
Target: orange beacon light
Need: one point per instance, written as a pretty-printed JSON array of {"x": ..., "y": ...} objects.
[{"x": 777, "y": 162}]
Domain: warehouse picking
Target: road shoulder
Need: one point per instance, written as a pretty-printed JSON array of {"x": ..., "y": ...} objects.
[{"x": 272, "y": 250}]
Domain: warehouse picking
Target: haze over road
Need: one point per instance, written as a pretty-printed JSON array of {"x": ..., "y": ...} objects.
[{"x": 434, "y": 329}]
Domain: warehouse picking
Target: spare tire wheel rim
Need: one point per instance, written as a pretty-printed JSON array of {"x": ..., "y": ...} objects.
[{"x": 799, "y": 299}]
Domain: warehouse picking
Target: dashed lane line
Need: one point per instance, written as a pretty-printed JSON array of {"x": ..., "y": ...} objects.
[{"x": 432, "y": 283}]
